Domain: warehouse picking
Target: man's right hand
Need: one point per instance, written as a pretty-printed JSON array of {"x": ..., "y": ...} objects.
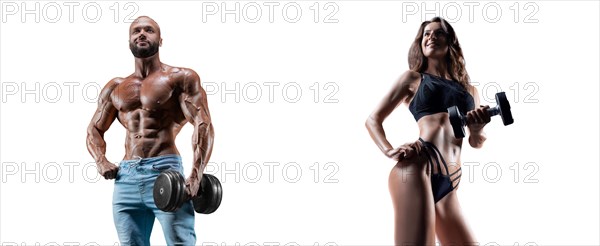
[{"x": 107, "y": 169}]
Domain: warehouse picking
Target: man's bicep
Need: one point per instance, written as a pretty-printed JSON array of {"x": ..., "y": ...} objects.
[
  {"x": 193, "y": 99},
  {"x": 106, "y": 113},
  {"x": 195, "y": 107},
  {"x": 104, "y": 117}
]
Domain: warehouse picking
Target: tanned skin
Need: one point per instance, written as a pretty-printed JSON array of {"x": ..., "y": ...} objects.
[
  {"x": 417, "y": 218},
  {"x": 153, "y": 104}
]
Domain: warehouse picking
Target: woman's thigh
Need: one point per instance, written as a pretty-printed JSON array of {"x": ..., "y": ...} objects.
[
  {"x": 450, "y": 225},
  {"x": 414, "y": 212}
]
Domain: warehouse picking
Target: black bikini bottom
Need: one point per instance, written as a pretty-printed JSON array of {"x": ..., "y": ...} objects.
[{"x": 442, "y": 182}]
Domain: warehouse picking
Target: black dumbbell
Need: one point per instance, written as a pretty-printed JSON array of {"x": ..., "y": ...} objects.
[
  {"x": 458, "y": 121},
  {"x": 169, "y": 192}
]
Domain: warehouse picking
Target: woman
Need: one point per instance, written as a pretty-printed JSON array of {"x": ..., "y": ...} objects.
[{"x": 423, "y": 182}]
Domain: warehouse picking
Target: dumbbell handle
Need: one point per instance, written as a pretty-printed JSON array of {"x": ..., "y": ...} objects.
[
  {"x": 459, "y": 121},
  {"x": 200, "y": 190},
  {"x": 491, "y": 111},
  {"x": 494, "y": 110}
]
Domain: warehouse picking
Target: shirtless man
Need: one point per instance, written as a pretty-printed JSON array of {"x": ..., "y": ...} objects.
[{"x": 153, "y": 104}]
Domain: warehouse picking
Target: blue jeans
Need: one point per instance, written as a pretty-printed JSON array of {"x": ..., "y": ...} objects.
[{"x": 134, "y": 209}]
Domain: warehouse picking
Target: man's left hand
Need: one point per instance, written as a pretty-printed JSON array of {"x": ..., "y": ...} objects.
[{"x": 192, "y": 184}]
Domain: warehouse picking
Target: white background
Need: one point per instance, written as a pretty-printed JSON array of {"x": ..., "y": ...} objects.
[{"x": 555, "y": 129}]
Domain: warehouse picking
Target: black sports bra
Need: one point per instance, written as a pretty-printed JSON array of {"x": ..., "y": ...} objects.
[{"x": 436, "y": 95}]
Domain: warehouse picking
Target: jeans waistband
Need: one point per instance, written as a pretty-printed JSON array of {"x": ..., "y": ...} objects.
[{"x": 151, "y": 160}]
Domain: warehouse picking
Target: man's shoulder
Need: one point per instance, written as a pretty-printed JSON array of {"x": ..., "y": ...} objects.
[
  {"x": 110, "y": 87},
  {"x": 184, "y": 77},
  {"x": 113, "y": 83},
  {"x": 181, "y": 71},
  {"x": 117, "y": 80}
]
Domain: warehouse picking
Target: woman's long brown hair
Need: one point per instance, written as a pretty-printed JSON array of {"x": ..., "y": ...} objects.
[{"x": 455, "y": 62}]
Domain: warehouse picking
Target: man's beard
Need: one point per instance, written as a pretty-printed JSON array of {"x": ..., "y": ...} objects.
[{"x": 144, "y": 52}]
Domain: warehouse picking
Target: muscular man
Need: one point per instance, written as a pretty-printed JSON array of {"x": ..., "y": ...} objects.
[{"x": 153, "y": 104}]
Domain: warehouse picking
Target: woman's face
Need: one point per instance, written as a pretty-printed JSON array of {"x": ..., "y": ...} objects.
[{"x": 435, "y": 41}]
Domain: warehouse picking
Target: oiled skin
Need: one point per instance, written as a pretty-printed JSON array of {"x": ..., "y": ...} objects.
[
  {"x": 153, "y": 104},
  {"x": 417, "y": 218}
]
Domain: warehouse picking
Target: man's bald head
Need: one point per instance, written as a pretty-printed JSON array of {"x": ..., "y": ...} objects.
[
  {"x": 144, "y": 37},
  {"x": 144, "y": 20}
]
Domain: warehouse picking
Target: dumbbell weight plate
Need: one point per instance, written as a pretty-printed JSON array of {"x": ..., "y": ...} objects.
[
  {"x": 169, "y": 190},
  {"x": 209, "y": 196},
  {"x": 504, "y": 105},
  {"x": 456, "y": 122}
]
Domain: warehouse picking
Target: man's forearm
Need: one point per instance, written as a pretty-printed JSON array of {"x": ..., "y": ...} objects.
[
  {"x": 202, "y": 145},
  {"x": 96, "y": 144}
]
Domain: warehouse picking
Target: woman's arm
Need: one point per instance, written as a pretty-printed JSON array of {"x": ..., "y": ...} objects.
[
  {"x": 399, "y": 93},
  {"x": 476, "y": 120}
]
